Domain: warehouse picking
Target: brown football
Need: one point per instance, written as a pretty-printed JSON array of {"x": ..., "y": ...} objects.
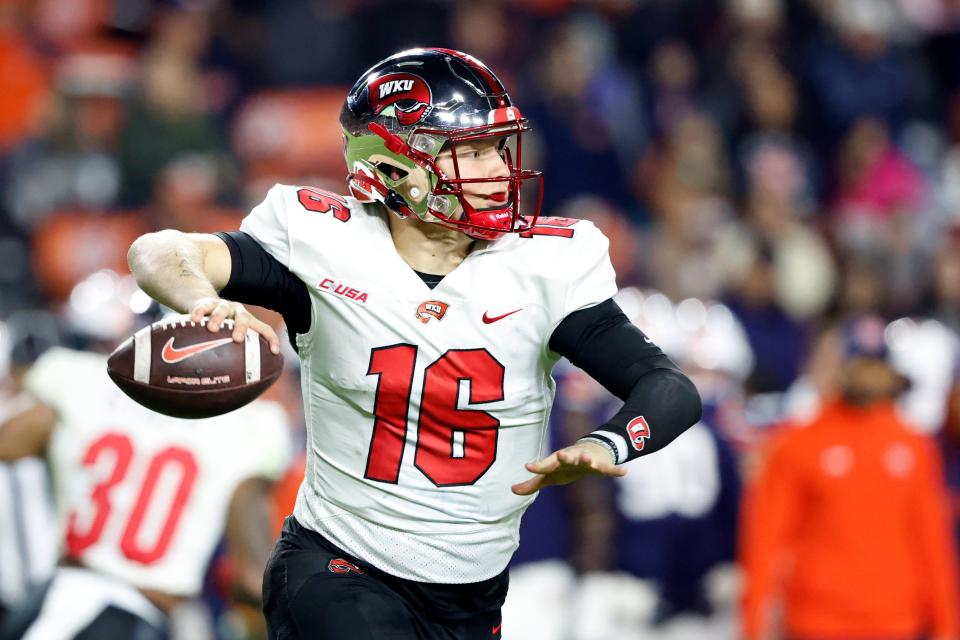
[{"x": 179, "y": 368}]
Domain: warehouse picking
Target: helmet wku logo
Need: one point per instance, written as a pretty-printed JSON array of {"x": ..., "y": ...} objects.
[
  {"x": 395, "y": 85},
  {"x": 409, "y": 94}
]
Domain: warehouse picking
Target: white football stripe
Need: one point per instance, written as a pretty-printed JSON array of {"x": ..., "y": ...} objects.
[
  {"x": 251, "y": 345},
  {"x": 142, "y": 355}
]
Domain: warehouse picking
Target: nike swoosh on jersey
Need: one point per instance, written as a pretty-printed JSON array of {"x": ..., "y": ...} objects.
[
  {"x": 487, "y": 319},
  {"x": 495, "y": 630},
  {"x": 173, "y": 355}
]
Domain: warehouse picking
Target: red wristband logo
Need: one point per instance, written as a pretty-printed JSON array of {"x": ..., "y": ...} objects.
[{"x": 639, "y": 431}]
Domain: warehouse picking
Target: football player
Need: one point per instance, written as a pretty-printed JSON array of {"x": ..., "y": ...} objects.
[
  {"x": 28, "y": 539},
  {"x": 428, "y": 311},
  {"x": 145, "y": 498}
]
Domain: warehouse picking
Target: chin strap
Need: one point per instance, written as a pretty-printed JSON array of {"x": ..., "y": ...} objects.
[{"x": 395, "y": 202}]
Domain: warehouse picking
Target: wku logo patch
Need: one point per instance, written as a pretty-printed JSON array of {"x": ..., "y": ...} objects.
[
  {"x": 173, "y": 355},
  {"x": 431, "y": 309},
  {"x": 409, "y": 94},
  {"x": 639, "y": 431},
  {"x": 339, "y": 565}
]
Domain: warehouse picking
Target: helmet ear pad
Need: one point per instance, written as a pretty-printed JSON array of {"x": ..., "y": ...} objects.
[{"x": 413, "y": 183}]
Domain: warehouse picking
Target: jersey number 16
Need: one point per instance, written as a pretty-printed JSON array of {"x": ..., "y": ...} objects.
[{"x": 454, "y": 446}]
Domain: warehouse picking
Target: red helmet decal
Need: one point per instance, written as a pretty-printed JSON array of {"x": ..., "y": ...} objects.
[
  {"x": 408, "y": 92},
  {"x": 503, "y": 114}
]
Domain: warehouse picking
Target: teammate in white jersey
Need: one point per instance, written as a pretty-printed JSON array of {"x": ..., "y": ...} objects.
[
  {"x": 28, "y": 539},
  {"x": 428, "y": 312},
  {"x": 145, "y": 499}
]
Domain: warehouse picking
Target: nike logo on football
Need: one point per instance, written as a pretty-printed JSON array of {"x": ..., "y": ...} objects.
[
  {"x": 495, "y": 630},
  {"x": 487, "y": 319},
  {"x": 172, "y": 355}
]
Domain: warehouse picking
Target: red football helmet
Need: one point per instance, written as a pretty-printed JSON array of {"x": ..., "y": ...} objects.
[{"x": 408, "y": 108}]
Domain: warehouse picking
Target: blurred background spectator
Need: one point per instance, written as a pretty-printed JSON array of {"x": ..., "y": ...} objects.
[
  {"x": 847, "y": 500},
  {"x": 765, "y": 168}
]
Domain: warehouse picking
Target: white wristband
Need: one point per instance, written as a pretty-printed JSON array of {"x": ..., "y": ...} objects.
[{"x": 605, "y": 442}]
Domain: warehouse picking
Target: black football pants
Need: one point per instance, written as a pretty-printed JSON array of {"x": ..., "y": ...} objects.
[{"x": 314, "y": 591}]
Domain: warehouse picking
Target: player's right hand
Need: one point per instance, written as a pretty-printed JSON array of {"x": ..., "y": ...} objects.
[{"x": 218, "y": 310}]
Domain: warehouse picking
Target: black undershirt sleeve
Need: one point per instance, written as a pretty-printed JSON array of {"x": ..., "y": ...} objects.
[
  {"x": 602, "y": 341},
  {"x": 256, "y": 277},
  {"x": 660, "y": 402}
]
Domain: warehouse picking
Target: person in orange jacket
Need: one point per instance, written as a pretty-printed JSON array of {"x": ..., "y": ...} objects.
[{"x": 845, "y": 529}]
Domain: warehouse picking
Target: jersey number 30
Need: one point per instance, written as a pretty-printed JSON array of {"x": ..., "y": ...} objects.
[
  {"x": 113, "y": 453},
  {"x": 454, "y": 446}
]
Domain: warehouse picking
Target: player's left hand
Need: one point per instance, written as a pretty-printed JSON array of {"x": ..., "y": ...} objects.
[{"x": 569, "y": 464}]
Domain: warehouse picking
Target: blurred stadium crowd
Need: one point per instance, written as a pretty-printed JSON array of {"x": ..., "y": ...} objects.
[{"x": 766, "y": 171}]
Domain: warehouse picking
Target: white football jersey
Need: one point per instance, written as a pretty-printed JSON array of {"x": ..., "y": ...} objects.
[
  {"x": 423, "y": 405},
  {"x": 144, "y": 497}
]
